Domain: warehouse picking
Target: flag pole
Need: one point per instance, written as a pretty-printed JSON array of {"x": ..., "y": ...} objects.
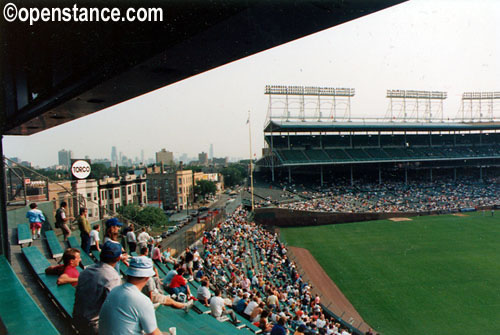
[{"x": 251, "y": 164}]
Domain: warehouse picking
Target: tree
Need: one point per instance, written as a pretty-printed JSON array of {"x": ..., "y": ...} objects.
[
  {"x": 100, "y": 170},
  {"x": 196, "y": 168},
  {"x": 234, "y": 174},
  {"x": 204, "y": 188},
  {"x": 147, "y": 216},
  {"x": 152, "y": 216},
  {"x": 130, "y": 211}
]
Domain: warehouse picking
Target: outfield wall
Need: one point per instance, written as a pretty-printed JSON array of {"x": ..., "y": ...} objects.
[{"x": 283, "y": 217}]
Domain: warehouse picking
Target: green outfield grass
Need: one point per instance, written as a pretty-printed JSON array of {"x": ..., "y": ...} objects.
[{"x": 431, "y": 275}]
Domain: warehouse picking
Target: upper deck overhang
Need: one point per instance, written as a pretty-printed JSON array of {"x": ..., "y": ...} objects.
[{"x": 53, "y": 73}]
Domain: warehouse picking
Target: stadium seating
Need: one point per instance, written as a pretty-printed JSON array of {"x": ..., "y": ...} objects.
[
  {"x": 419, "y": 150},
  {"x": 365, "y": 141},
  {"x": 358, "y": 154},
  {"x": 317, "y": 155},
  {"x": 54, "y": 245},
  {"x": 63, "y": 295},
  {"x": 293, "y": 156},
  {"x": 18, "y": 312},
  {"x": 189, "y": 323},
  {"x": 23, "y": 234},
  {"x": 378, "y": 154},
  {"x": 435, "y": 152},
  {"x": 338, "y": 155},
  {"x": 396, "y": 153}
]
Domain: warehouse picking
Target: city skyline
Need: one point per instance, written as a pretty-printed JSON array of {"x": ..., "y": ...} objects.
[
  {"x": 122, "y": 158},
  {"x": 418, "y": 45}
]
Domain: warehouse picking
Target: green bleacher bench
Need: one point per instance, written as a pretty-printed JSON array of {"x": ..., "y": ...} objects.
[
  {"x": 63, "y": 295},
  {"x": 191, "y": 323},
  {"x": 86, "y": 259},
  {"x": 96, "y": 254},
  {"x": 18, "y": 311},
  {"x": 222, "y": 327},
  {"x": 35, "y": 258},
  {"x": 24, "y": 234},
  {"x": 202, "y": 309},
  {"x": 54, "y": 245},
  {"x": 161, "y": 267},
  {"x": 167, "y": 317}
]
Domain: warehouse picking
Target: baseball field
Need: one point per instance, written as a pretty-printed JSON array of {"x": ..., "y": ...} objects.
[{"x": 429, "y": 275}]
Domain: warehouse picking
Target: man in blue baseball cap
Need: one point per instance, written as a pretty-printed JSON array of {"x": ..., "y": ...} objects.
[
  {"x": 94, "y": 285},
  {"x": 126, "y": 310}
]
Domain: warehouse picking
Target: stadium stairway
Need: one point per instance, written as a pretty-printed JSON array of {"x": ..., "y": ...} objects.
[{"x": 28, "y": 279}]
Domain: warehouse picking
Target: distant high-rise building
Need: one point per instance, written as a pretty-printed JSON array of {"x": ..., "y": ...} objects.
[
  {"x": 203, "y": 158},
  {"x": 211, "y": 151},
  {"x": 65, "y": 157},
  {"x": 114, "y": 155},
  {"x": 142, "y": 157},
  {"x": 164, "y": 157}
]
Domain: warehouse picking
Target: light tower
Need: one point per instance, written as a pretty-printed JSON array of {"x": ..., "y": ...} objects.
[
  {"x": 479, "y": 105},
  {"x": 308, "y": 103},
  {"x": 412, "y": 105}
]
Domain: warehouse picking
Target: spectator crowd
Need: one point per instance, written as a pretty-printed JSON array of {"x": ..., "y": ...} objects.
[{"x": 391, "y": 197}]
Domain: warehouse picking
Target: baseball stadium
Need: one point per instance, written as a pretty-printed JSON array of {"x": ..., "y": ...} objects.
[
  {"x": 346, "y": 225},
  {"x": 416, "y": 195}
]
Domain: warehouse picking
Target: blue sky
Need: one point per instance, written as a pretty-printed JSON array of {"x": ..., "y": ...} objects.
[{"x": 441, "y": 45}]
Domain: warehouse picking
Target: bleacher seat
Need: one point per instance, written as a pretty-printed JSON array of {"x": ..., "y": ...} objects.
[
  {"x": 24, "y": 234},
  {"x": 357, "y": 154},
  {"x": 377, "y": 153},
  {"x": 338, "y": 155},
  {"x": 293, "y": 156},
  {"x": 54, "y": 245},
  {"x": 190, "y": 323},
  {"x": 19, "y": 312},
  {"x": 317, "y": 155},
  {"x": 63, "y": 295}
]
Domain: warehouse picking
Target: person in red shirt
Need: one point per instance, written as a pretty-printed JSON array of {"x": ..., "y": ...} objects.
[
  {"x": 71, "y": 259},
  {"x": 179, "y": 284}
]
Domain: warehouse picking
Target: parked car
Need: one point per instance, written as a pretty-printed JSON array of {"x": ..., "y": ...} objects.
[{"x": 172, "y": 230}]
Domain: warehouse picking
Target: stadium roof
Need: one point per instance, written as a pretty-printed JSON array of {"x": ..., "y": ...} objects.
[
  {"x": 55, "y": 72},
  {"x": 298, "y": 127}
]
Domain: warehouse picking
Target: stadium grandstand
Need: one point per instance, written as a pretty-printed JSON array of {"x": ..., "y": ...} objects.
[
  {"x": 79, "y": 80},
  {"x": 310, "y": 134}
]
